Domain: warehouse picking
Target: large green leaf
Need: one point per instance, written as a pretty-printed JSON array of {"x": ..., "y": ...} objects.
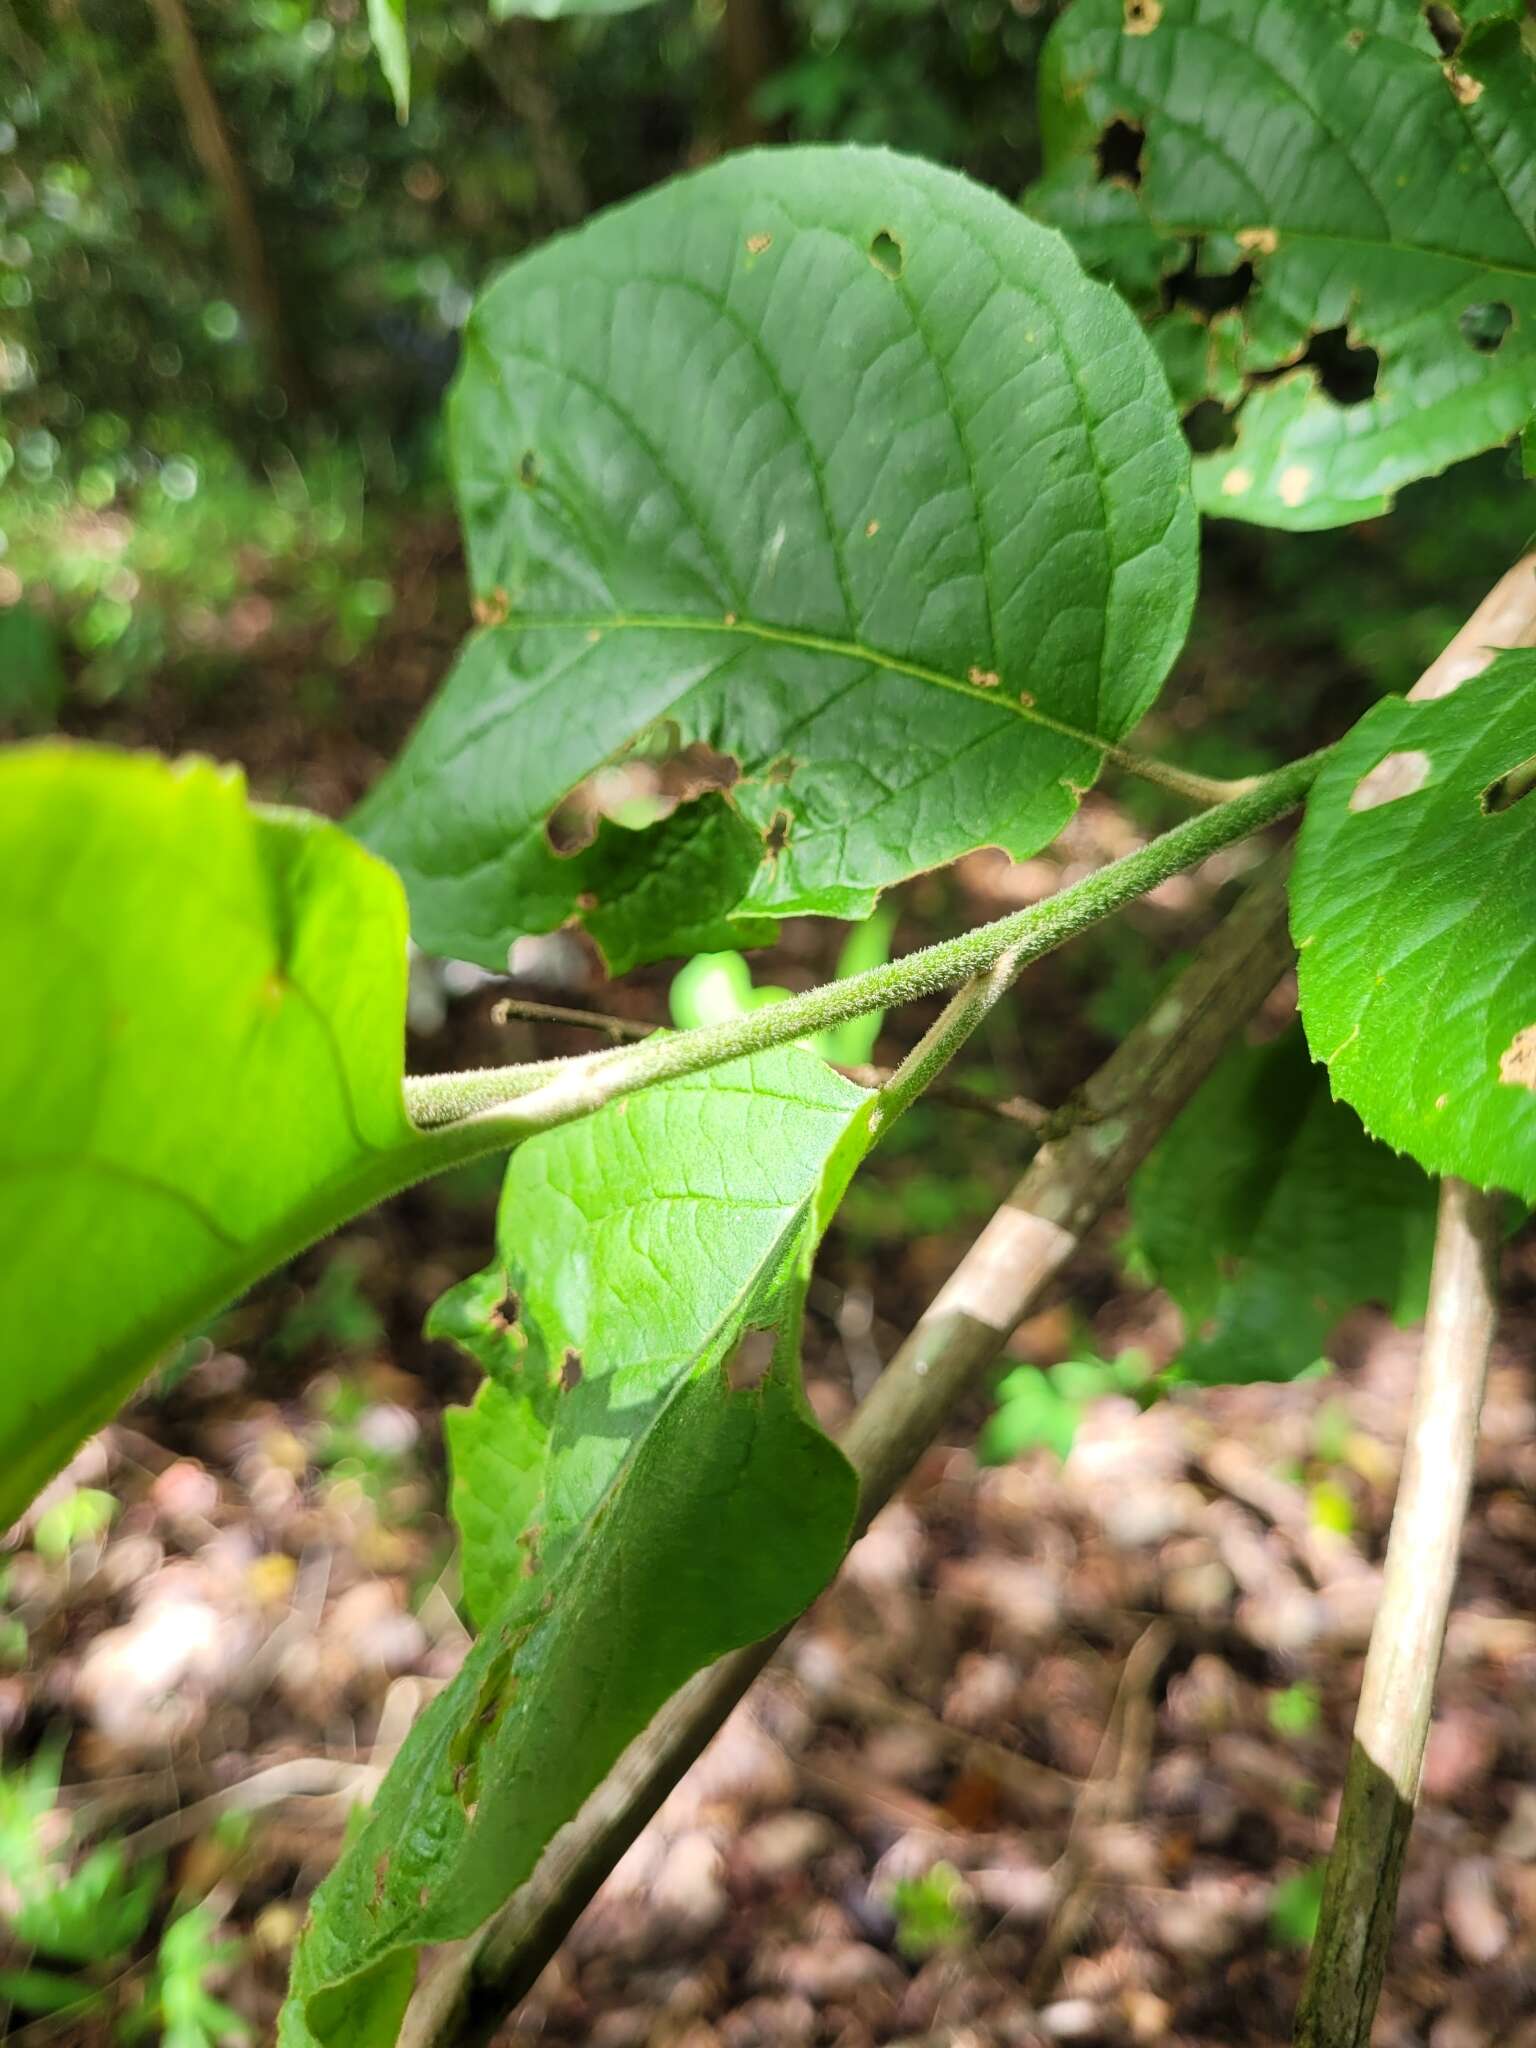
[
  {"x": 200, "y": 1068},
  {"x": 641, "y": 1487},
  {"x": 1268, "y": 1213},
  {"x": 1379, "y": 194},
  {"x": 825, "y": 459},
  {"x": 1413, "y": 903}
]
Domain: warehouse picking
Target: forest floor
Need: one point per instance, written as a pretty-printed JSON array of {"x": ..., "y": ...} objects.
[{"x": 1054, "y": 1760}]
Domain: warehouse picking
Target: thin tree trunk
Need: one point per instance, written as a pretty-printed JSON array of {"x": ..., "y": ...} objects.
[
  {"x": 255, "y": 286},
  {"x": 1349, "y": 1955},
  {"x": 754, "y": 44}
]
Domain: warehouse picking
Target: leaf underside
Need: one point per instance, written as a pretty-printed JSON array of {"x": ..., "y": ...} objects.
[
  {"x": 1330, "y": 225},
  {"x": 1413, "y": 905},
  {"x": 826, "y": 463},
  {"x": 640, "y": 1486},
  {"x": 200, "y": 1068},
  {"x": 1268, "y": 1214}
]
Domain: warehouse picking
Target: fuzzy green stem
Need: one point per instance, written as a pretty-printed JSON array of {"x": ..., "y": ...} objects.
[
  {"x": 501, "y": 1100},
  {"x": 970, "y": 1005}
]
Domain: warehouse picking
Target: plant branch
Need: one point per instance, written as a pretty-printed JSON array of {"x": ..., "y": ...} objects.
[
  {"x": 1349, "y": 1954},
  {"x": 506, "y": 1106},
  {"x": 507, "y": 1007},
  {"x": 1119, "y": 1115}
]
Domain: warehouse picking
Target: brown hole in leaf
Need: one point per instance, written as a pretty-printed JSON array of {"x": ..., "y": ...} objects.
[
  {"x": 380, "y": 1875},
  {"x": 1517, "y": 1064},
  {"x": 747, "y": 1367},
  {"x": 1445, "y": 29},
  {"x": 1511, "y": 788},
  {"x": 644, "y": 786},
  {"x": 506, "y": 1312},
  {"x": 776, "y": 838},
  {"x": 1346, "y": 370},
  {"x": 1395, "y": 775},
  {"x": 1484, "y": 327},
  {"x": 528, "y": 469},
  {"x": 756, "y": 244},
  {"x": 1204, "y": 293},
  {"x": 570, "y": 1371},
  {"x": 1118, "y": 152},
  {"x": 1142, "y": 16},
  {"x": 1209, "y": 427},
  {"x": 572, "y": 825},
  {"x": 887, "y": 254},
  {"x": 491, "y": 610},
  {"x": 781, "y": 770},
  {"x": 1468, "y": 90}
]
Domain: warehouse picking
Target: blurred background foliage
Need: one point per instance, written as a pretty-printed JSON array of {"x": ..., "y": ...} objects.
[
  {"x": 232, "y": 285},
  {"x": 232, "y": 282}
]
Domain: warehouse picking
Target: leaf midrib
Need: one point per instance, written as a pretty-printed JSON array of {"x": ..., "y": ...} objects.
[{"x": 996, "y": 698}]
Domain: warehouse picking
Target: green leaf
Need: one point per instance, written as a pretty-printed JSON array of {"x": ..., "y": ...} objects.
[
  {"x": 635, "y": 1500},
  {"x": 828, "y": 461},
  {"x": 44, "y": 1991},
  {"x": 1267, "y": 1213},
  {"x": 1296, "y": 1906},
  {"x": 671, "y": 889},
  {"x": 1032, "y": 1410},
  {"x": 200, "y": 1069},
  {"x": 1410, "y": 905},
  {"x": 386, "y": 25},
  {"x": 1382, "y": 197}
]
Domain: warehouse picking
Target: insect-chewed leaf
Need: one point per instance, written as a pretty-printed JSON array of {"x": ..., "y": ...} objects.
[
  {"x": 1413, "y": 904},
  {"x": 641, "y": 1486},
  {"x": 1330, "y": 223},
  {"x": 1268, "y": 1213},
  {"x": 200, "y": 1068},
  {"x": 830, "y": 467}
]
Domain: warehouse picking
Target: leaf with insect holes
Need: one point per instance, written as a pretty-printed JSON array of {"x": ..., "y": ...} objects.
[
  {"x": 1413, "y": 905},
  {"x": 828, "y": 469},
  {"x": 1329, "y": 223},
  {"x": 200, "y": 1068},
  {"x": 641, "y": 1486},
  {"x": 1268, "y": 1214}
]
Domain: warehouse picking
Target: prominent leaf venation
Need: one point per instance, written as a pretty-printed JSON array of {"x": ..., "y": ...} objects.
[{"x": 881, "y": 491}]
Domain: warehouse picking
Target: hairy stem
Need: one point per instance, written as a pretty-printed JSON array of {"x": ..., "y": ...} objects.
[
  {"x": 503, "y": 1101},
  {"x": 1118, "y": 1117},
  {"x": 1349, "y": 1955}
]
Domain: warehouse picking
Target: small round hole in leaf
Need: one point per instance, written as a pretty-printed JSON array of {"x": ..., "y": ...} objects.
[
  {"x": 1510, "y": 789},
  {"x": 1119, "y": 151},
  {"x": 1484, "y": 327},
  {"x": 747, "y": 1367},
  {"x": 887, "y": 254}
]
